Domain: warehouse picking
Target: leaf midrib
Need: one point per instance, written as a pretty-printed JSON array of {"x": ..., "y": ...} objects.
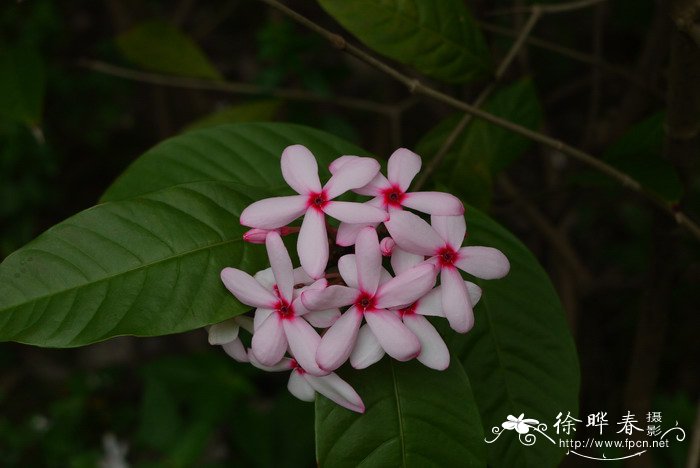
[{"x": 399, "y": 413}]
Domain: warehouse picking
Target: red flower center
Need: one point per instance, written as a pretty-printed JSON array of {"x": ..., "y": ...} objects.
[
  {"x": 284, "y": 309},
  {"x": 408, "y": 310},
  {"x": 296, "y": 367},
  {"x": 317, "y": 200},
  {"x": 365, "y": 302},
  {"x": 393, "y": 196},
  {"x": 447, "y": 256}
]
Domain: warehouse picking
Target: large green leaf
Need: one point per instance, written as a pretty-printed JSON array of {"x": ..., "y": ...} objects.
[
  {"x": 439, "y": 39},
  {"x": 145, "y": 266},
  {"x": 244, "y": 153},
  {"x": 520, "y": 355},
  {"x": 483, "y": 149},
  {"x": 161, "y": 47},
  {"x": 22, "y": 85},
  {"x": 415, "y": 417}
]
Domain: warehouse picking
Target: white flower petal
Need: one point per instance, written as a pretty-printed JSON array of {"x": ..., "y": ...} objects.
[
  {"x": 337, "y": 390},
  {"x": 281, "y": 265},
  {"x": 339, "y": 340},
  {"x": 303, "y": 342},
  {"x": 300, "y": 388},
  {"x": 483, "y": 262},
  {"x": 402, "y": 167},
  {"x": 402, "y": 260},
  {"x": 367, "y": 349},
  {"x": 312, "y": 244},
  {"x": 434, "y": 353},
  {"x": 246, "y": 289},
  {"x": 368, "y": 259},
  {"x": 434, "y": 203},
  {"x": 223, "y": 332},
  {"x": 300, "y": 170},
  {"x": 395, "y": 338},
  {"x": 413, "y": 234},
  {"x": 407, "y": 287},
  {"x": 355, "y": 213},
  {"x": 353, "y": 174},
  {"x": 269, "y": 341},
  {"x": 452, "y": 229},
  {"x": 455, "y": 300},
  {"x": 272, "y": 213}
]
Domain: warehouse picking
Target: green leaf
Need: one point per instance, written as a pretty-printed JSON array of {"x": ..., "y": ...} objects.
[
  {"x": 162, "y": 48},
  {"x": 483, "y": 149},
  {"x": 22, "y": 85},
  {"x": 145, "y": 266},
  {"x": 255, "y": 111},
  {"x": 439, "y": 39},
  {"x": 520, "y": 355},
  {"x": 639, "y": 154},
  {"x": 247, "y": 154},
  {"x": 414, "y": 416}
]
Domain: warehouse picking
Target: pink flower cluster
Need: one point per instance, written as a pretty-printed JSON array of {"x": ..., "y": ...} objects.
[{"x": 365, "y": 310}]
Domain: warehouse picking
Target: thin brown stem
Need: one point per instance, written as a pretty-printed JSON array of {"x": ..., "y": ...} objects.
[
  {"x": 416, "y": 86},
  {"x": 234, "y": 87},
  {"x": 554, "y": 8}
]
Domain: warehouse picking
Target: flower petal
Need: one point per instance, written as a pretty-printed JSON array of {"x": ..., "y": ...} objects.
[
  {"x": 374, "y": 187},
  {"x": 340, "y": 162},
  {"x": 347, "y": 266},
  {"x": 451, "y": 228},
  {"x": 303, "y": 342},
  {"x": 322, "y": 318},
  {"x": 474, "y": 292},
  {"x": 283, "y": 364},
  {"x": 300, "y": 170},
  {"x": 272, "y": 213},
  {"x": 367, "y": 349},
  {"x": 281, "y": 265},
  {"x": 407, "y": 287},
  {"x": 353, "y": 174},
  {"x": 330, "y": 298},
  {"x": 338, "y": 341},
  {"x": 261, "y": 314},
  {"x": 386, "y": 245},
  {"x": 455, "y": 300},
  {"x": 483, "y": 262},
  {"x": 368, "y": 258},
  {"x": 347, "y": 232},
  {"x": 430, "y": 304},
  {"x": 246, "y": 289},
  {"x": 337, "y": 390},
  {"x": 402, "y": 167},
  {"x": 402, "y": 260},
  {"x": 300, "y": 388},
  {"x": 236, "y": 350},
  {"x": 312, "y": 244},
  {"x": 269, "y": 341},
  {"x": 434, "y": 353},
  {"x": 245, "y": 323},
  {"x": 223, "y": 332},
  {"x": 395, "y": 338},
  {"x": 356, "y": 213},
  {"x": 412, "y": 233},
  {"x": 434, "y": 203},
  {"x": 300, "y": 277},
  {"x": 509, "y": 425}
]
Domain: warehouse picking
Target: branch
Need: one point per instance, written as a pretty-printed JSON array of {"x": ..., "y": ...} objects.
[
  {"x": 416, "y": 86},
  {"x": 481, "y": 98},
  {"x": 234, "y": 87},
  {"x": 560, "y": 8}
]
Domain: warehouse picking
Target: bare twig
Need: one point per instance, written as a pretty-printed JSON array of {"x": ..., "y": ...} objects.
[
  {"x": 416, "y": 86},
  {"x": 451, "y": 139},
  {"x": 234, "y": 87},
  {"x": 554, "y": 8}
]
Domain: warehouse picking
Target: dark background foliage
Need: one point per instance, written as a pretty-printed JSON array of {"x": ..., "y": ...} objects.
[{"x": 627, "y": 275}]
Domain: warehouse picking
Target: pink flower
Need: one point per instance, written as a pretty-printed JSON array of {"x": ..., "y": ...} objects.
[
  {"x": 227, "y": 333},
  {"x": 282, "y": 325},
  {"x": 442, "y": 242},
  {"x": 304, "y": 386},
  {"x": 371, "y": 300},
  {"x": 300, "y": 170},
  {"x": 258, "y": 236},
  {"x": 391, "y": 193}
]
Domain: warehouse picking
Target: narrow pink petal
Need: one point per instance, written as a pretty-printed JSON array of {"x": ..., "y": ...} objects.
[
  {"x": 374, "y": 187},
  {"x": 430, "y": 304},
  {"x": 395, "y": 338},
  {"x": 340, "y": 162},
  {"x": 281, "y": 265},
  {"x": 303, "y": 342},
  {"x": 245, "y": 322},
  {"x": 356, "y": 213},
  {"x": 339, "y": 340},
  {"x": 300, "y": 277},
  {"x": 300, "y": 170},
  {"x": 474, "y": 292},
  {"x": 402, "y": 260},
  {"x": 246, "y": 289},
  {"x": 386, "y": 245},
  {"x": 261, "y": 314},
  {"x": 367, "y": 349},
  {"x": 451, "y": 228},
  {"x": 322, "y": 318},
  {"x": 402, "y": 167},
  {"x": 483, "y": 262},
  {"x": 269, "y": 342},
  {"x": 236, "y": 350},
  {"x": 353, "y": 174},
  {"x": 347, "y": 232},
  {"x": 385, "y": 277},
  {"x": 347, "y": 267},
  {"x": 412, "y": 233},
  {"x": 455, "y": 300},
  {"x": 337, "y": 390},
  {"x": 266, "y": 278},
  {"x": 283, "y": 364},
  {"x": 300, "y": 388},
  {"x": 256, "y": 236},
  {"x": 272, "y": 213},
  {"x": 312, "y": 244},
  {"x": 434, "y": 353},
  {"x": 331, "y": 297},
  {"x": 434, "y": 203},
  {"x": 369, "y": 260},
  {"x": 223, "y": 332},
  {"x": 407, "y": 287}
]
